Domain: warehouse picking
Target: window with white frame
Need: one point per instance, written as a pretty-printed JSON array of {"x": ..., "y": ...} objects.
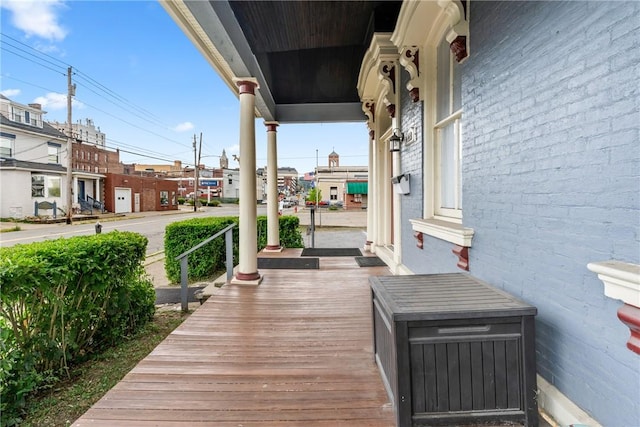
[
  {"x": 333, "y": 193},
  {"x": 45, "y": 186},
  {"x": 448, "y": 140},
  {"x": 7, "y": 143},
  {"x": 53, "y": 186},
  {"x": 53, "y": 152}
]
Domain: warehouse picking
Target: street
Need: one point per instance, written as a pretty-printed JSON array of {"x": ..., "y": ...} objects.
[{"x": 149, "y": 224}]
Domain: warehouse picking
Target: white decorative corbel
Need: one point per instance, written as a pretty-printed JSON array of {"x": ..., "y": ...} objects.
[
  {"x": 387, "y": 77},
  {"x": 458, "y": 35},
  {"x": 409, "y": 58},
  {"x": 369, "y": 109}
]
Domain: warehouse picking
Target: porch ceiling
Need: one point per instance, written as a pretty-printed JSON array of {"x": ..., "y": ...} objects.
[{"x": 306, "y": 55}]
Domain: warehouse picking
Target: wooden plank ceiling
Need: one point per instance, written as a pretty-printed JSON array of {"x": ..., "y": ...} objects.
[{"x": 311, "y": 51}]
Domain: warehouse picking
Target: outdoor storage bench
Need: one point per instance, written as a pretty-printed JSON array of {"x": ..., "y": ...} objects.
[{"x": 452, "y": 349}]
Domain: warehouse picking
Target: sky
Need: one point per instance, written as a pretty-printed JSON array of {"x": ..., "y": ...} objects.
[{"x": 145, "y": 85}]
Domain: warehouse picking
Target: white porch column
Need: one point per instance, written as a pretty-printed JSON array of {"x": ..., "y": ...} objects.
[
  {"x": 75, "y": 191},
  {"x": 273, "y": 222},
  {"x": 98, "y": 195},
  {"x": 370, "y": 186},
  {"x": 247, "y": 272}
]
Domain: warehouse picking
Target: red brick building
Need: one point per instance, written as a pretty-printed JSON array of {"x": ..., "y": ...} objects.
[{"x": 130, "y": 193}]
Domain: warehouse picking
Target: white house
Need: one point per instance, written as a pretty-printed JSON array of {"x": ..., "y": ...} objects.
[{"x": 32, "y": 155}]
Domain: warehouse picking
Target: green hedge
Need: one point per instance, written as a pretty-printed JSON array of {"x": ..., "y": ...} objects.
[
  {"x": 290, "y": 236},
  {"x": 181, "y": 236},
  {"x": 64, "y": 299}
]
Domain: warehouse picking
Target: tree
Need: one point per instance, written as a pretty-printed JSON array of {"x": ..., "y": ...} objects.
[{"x": 311, "y": 197}]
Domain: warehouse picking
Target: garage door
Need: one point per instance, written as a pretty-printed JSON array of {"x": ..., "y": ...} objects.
[{"x": 123, "y": 200}]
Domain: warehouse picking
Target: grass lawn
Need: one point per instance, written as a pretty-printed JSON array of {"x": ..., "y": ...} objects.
[{"x": 68, "y": 400}]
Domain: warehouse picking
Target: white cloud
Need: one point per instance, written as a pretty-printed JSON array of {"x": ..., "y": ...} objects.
[
  {"x": 234, "y": 149},
  {"x": 10, "y": 93},
  {"x": 183, "y": 127},
  {"x": 56, "y": 101},
  {"x": 37, "y": 17}
]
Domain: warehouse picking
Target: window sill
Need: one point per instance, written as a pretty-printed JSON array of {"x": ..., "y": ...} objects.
[
  {"x": 444, "y": 230},
  {"x": 621, "y": 280}
]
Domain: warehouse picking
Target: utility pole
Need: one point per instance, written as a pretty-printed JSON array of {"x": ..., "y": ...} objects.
[
  {"x": 195, "y": 175},
  {"x": 198, "y": 165},
  {"x": 71, "y": 91}
]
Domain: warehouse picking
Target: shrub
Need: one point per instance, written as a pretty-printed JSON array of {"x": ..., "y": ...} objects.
[
  {"x": 210, "y": 259},
  {"x": 181, "y": 200},
  {"x": 183, "y": 235},
  {"x": 64, "y": 299},
  {"x": 290, "y": 236}
]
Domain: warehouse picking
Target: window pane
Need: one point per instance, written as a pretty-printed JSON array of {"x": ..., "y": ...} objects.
[
  {"x": 53, "y": 188},
  {"x": 53, "y": 154},
  {"x": 5, "y": 147},
  {"x": 457, "y": 86},
  {"x": 448, "y": 159},
  {"x": 443, "y": 88},
  {"x": 333, "y": 192},
  {"x": 37, "y": 186}
]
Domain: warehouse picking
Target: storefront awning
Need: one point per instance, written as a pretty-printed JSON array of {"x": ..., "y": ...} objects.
[{"x": 357, "y": 187}]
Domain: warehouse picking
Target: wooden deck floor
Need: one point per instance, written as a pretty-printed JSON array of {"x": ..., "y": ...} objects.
[{"x": 294, "y": 351}]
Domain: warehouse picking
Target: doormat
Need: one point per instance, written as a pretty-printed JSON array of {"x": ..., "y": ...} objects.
[
  {"x": 331, "y": 252},
  {"x": 370, "y": 261},
  {"x": 289, "y": 263}
]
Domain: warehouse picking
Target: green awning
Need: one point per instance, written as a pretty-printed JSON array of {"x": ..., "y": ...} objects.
[{"x": 357, "y": 187}]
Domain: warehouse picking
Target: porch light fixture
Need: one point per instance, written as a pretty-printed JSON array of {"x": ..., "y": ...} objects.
[{"x": 395, "y": 140}]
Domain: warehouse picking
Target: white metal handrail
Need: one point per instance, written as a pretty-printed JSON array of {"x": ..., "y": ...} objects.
[{"x": 184, "y": 258}]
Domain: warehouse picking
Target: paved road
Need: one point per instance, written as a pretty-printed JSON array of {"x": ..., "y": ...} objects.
[
  {"x": 335, "y": 229},
  {"x": 149, "y": 224}
]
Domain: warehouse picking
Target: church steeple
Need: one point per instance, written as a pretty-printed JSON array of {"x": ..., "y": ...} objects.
[
  {"x": 334, "y": 160},
  {"x": 224, "y": 161}
]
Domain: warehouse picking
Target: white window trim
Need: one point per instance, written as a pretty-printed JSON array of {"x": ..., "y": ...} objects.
[
  {"x": 444, "y": 230},
  {"x": 448, "y": 228},
  {"x": 450, "y": 213},
  {"x": 621, "y": 280}
]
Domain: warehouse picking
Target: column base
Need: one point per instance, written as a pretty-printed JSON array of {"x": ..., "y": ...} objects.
[
  {"x": 273, "y": 248},
  {"x": 247, "y": 279}
]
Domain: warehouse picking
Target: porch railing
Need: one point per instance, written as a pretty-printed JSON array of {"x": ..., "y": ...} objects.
[
  {"x": 184, "y": 259},
  {"x": 90, "y": 204}
]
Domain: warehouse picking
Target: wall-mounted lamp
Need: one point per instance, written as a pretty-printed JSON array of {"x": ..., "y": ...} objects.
[{"x": 395, "y": 140}]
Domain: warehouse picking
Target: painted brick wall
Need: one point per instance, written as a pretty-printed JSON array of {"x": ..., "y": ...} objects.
[{"x": 551, "y": 181}]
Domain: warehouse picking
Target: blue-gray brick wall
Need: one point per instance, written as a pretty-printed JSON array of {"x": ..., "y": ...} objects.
[{"x": 551, "y": 181}]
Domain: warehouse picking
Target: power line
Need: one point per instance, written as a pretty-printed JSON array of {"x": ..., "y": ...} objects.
[
  {"x": 5, "y": 76},
  {"x": 131, "y": 124},
  {"x": 58, "y": 63},
  {"x": 124, "y": 103}
]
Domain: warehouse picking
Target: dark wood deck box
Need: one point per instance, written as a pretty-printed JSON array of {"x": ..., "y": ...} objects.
[{"x": 453, "y": 350}]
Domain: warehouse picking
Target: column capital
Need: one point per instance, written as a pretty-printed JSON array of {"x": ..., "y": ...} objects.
[
  {"x": 247, "y": 85},
  {"x": 271, "y": 126}
]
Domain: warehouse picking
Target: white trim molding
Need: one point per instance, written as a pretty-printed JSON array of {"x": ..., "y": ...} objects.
[
  {"x": 621, "y": 280},
  {"x": 563, "y": 411},
  {"x": 444, "y": 230}
]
